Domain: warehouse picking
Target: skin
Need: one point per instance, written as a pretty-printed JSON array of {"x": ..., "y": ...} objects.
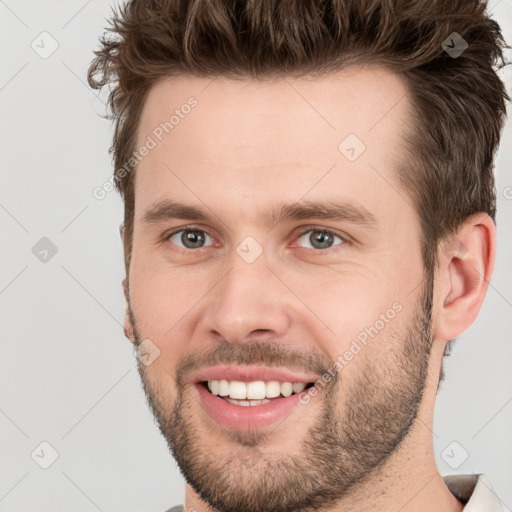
[{"x": 246, "y": 147}]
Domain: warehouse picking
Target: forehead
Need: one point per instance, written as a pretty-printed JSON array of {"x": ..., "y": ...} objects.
[{"x": 280, "y": 136}]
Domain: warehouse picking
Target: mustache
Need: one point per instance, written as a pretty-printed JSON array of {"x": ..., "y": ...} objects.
[{"x": 261, "y": 353}]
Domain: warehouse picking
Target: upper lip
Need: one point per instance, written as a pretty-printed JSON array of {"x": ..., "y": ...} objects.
[{"x": 251, "y": 374}]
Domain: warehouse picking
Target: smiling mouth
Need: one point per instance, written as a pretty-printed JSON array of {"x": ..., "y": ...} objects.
[{"x": 255, "y": 392}]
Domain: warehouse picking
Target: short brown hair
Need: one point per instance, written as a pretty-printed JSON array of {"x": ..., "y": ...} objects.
[{"x": 459, "y": 103}]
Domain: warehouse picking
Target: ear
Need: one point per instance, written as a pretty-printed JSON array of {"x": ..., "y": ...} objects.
[
  {"x": 466, "y": 263},
  {"x": 126, "y": 249},
  {"x": 129, "y": 330},
  {"x": 128, "y": 324}
]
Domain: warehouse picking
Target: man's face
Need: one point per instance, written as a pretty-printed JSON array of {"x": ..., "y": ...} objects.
[{"x": 246, "y": 294}]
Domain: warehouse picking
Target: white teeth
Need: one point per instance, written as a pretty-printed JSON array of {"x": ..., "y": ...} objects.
[
  {"x": 237, "y": 389},
  {"x": 246, "y": 403},
  {"x": 223, "y": 387},
  {"x": 238, "y": 402},
  {"x": 273, "y": 389},
  {"x": 286, "y": 388},
  {"x": 248, "y": 393},
  {"x": 259, "y": 402},
  {"x": 256, "y": 390}
]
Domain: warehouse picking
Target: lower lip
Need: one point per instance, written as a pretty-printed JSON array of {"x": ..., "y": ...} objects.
[{"x": 248, "y": 417}]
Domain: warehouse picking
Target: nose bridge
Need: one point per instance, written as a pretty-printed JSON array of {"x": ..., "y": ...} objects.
[{"x": 248, "y": 298}]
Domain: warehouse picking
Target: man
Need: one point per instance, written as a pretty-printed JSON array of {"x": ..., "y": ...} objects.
[{"x": 309, "y": 221}]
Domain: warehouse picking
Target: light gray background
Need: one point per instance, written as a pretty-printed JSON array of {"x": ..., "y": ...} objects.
[{"x": 68, "y": 376}]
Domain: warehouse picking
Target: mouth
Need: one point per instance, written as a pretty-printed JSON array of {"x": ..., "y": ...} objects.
[
  {"x": 254, "y": 393},
  {"x": 244, "y": 403}
]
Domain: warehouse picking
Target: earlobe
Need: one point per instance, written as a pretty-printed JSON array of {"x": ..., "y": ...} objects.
[
  {"x": 465, "y": 268},
  {"x": 125, "y": 290},
  {"x": 128, "y": 328}
]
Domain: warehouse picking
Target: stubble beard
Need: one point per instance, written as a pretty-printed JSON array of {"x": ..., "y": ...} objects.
[{"x": 337, "y": 454}]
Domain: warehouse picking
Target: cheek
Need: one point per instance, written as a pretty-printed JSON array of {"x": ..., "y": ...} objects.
[
  {"x": 162, "y": 300},
  {"x": 159, "y": 384},
  {"x": 161, "y": 331},
  {"x": 349, "y": 297},
  {"x": 364, "y": 309}
]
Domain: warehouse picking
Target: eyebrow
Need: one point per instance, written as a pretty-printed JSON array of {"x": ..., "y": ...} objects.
[{"x": 327, "y": 210}]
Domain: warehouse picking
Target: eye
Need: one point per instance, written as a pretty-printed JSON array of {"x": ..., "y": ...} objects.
[
  {"x": 189, "y": 238},
  {"x": 320, "y": 238}
]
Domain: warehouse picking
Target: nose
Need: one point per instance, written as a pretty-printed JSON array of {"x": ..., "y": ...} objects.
[{"x": 249, "y": 303}]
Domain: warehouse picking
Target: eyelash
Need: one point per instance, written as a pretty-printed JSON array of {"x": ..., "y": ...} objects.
[{"x": 345, "y": 239}]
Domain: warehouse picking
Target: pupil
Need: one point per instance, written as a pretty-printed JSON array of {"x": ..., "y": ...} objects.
[
  {"x": 192, "y": 239},
  {"x": 321, "y": 240}
]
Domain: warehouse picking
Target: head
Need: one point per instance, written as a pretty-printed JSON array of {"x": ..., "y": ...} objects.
[{"x": 267, "y": 123}]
